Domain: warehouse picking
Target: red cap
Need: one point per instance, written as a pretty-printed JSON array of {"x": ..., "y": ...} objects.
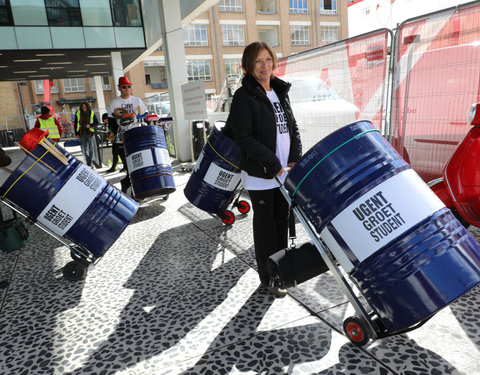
[{"x": 124, "y": 81}]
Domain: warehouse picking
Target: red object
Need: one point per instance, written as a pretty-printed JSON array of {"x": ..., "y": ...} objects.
[
  {"x": 459, "y": 188},
  {"x": 32, "y": 138},
  {"x": 152, "y": 118},
  {"x": 228, "y": 218},
  {"x": 124, "y": 81}
]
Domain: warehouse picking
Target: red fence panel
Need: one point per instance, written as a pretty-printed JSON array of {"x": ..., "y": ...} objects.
[{"x": 436, "y": 79}]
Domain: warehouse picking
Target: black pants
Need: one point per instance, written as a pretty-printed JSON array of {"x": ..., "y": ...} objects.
[
  {"x": 124, "y": 182},
  {"x": 115, "y": 154},
  {"x": 270, "y": 226}
]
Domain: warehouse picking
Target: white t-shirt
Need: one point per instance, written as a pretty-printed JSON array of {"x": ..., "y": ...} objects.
[
  {"x": 282, "y": 151},
  {"x": 131, "y": 105}
]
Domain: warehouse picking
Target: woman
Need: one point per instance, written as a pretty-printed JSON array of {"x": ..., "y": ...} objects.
[
  {"x": 85, "y": 123},
  {"x": 262, "y": 124}
]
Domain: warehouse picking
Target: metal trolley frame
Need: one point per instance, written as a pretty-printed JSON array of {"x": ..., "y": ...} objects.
[
  {"x": 82, "y": 258},
  {"x": 366, "y": 325}
]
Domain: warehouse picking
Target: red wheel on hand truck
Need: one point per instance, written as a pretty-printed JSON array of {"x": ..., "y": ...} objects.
[
  {"x": 243, "y": 207},
  {"x": 356, "y": 330},
  {"x": 228, "y": 218}
]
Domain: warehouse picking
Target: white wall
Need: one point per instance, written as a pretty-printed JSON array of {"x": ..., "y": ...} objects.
[{"x": 368, "y": 15}]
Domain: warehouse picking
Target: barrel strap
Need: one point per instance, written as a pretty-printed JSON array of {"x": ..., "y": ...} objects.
[
  {"x": 24, "y": 173},
  {"x": 330, "y": 153},
  {"x": 221, "y": 155}
]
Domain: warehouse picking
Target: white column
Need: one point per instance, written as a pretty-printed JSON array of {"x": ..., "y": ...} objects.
[
  {"x": 100, "y": 97},
  {"x": 117, "y": 69},
  {"x": 172, "y": 34}
]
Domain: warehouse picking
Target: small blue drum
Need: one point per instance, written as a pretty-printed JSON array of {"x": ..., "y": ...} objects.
[
  {"x": 216, "y": 174},
  {"x": 148, "y": 161},
  {"x": 74, "y": 202},
  {"x": 402, "y": 247}
]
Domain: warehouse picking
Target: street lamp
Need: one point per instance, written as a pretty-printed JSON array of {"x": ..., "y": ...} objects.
[{"x": 21, "y": 103}]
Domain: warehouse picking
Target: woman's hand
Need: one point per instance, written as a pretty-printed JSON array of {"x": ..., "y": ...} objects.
[{"x": 280, "y": 172}]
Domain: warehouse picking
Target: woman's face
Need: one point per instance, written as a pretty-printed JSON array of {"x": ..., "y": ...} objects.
[
  {"x": 263, "y": 67},
  {"x": 84, "y": 107}
]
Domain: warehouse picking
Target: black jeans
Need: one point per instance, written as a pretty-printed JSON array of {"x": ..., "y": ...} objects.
[
  {"x": 270, "y": 226},
  {"x": 115, "y": 154}
]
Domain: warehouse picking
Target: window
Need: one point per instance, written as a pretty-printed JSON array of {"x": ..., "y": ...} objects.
[
  {"x": 232, "y": 68},
  {"x": 157, "y": 74},
  {"x": 266, "y": 6},
  {"x": 300, "y": 35},
  {"x": 63, "y": 12},
  {"x": 195, "y": 36},
  {"x": 105, "y": 83},
  {"x": 198, "y": 69},
  {"x": 73, "y": 85},
  {"x": 126, "y": 13},
  {"x": 231, "y": 6},
  {"x": 5, "y": 13},
  {"x": 39, "y": 87},
  {"x": 268, "y": 34},
  {"x": 233, "y": 35},
  {"x": 329, "y": 34},
  {"x": 298, "y": 6},
  {"x": 328, "y": 7}
]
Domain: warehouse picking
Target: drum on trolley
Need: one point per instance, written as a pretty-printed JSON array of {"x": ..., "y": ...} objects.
[
  {"x": 148, "y": 161},
  {"x": 215, "y": 179},
  {"x": 400, "y": 245},
  {"x": 70, "y": 201}
]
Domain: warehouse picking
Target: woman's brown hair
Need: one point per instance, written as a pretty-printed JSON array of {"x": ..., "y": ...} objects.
[
  {"x": 86, "y": 105},
  {"x": 251, "y": 52}
]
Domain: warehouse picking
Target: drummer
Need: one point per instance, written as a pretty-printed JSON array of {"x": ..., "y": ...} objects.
[{"x": 125, "y": 104}]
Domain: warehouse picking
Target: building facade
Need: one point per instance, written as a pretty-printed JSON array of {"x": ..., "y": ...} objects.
[{"x": 213, "y": 42}]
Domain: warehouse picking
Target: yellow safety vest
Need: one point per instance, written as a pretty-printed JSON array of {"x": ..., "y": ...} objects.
[
  {"x": 49, "y": 124},
  {"x": 91, "y": 121}
]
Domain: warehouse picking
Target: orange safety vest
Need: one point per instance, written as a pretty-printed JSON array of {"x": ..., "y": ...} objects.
[{"x": 49, "y": 124}]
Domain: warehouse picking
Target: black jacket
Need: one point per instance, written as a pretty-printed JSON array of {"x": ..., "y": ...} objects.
[{"x": 252, "y": 125}]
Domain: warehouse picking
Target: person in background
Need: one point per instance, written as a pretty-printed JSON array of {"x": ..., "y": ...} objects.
[
  {"x": 47, "y": 122},
  {"x": 111, "y": 137},
  {"x": 262, "y": 124},
  {"x": 85, "y": 123},
  {"x": 120, "y": 106}
]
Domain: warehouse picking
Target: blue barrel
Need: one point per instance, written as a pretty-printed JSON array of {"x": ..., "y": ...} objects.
[
  {"x": 74, "y": 202},
  {"x": 402, "y": 247},
  {"x": 148, "y": 161},
  {"x": 216, "y": 174}
]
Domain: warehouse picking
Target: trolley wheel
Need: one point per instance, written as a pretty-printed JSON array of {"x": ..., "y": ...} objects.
[
  {"x": 356, "y": 330},
  {"x": 243, "y": 207},
  {"x": 228, "y": 218},
  {"x": 74, "y": 271}
]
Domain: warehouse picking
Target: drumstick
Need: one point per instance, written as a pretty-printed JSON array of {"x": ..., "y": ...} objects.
[
  {"x": 7, "y": 170},
  {"x": 45, "y": 143},
  {"x": 33, "y": 156}
]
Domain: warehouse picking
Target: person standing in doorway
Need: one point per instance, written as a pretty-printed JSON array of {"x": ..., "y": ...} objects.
[
  {"x": 85, "y": 123},
  {"x": 47, "y": 122},
  {"x": 125, "y": 104},
  {"x": 262, "y": 124}
]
